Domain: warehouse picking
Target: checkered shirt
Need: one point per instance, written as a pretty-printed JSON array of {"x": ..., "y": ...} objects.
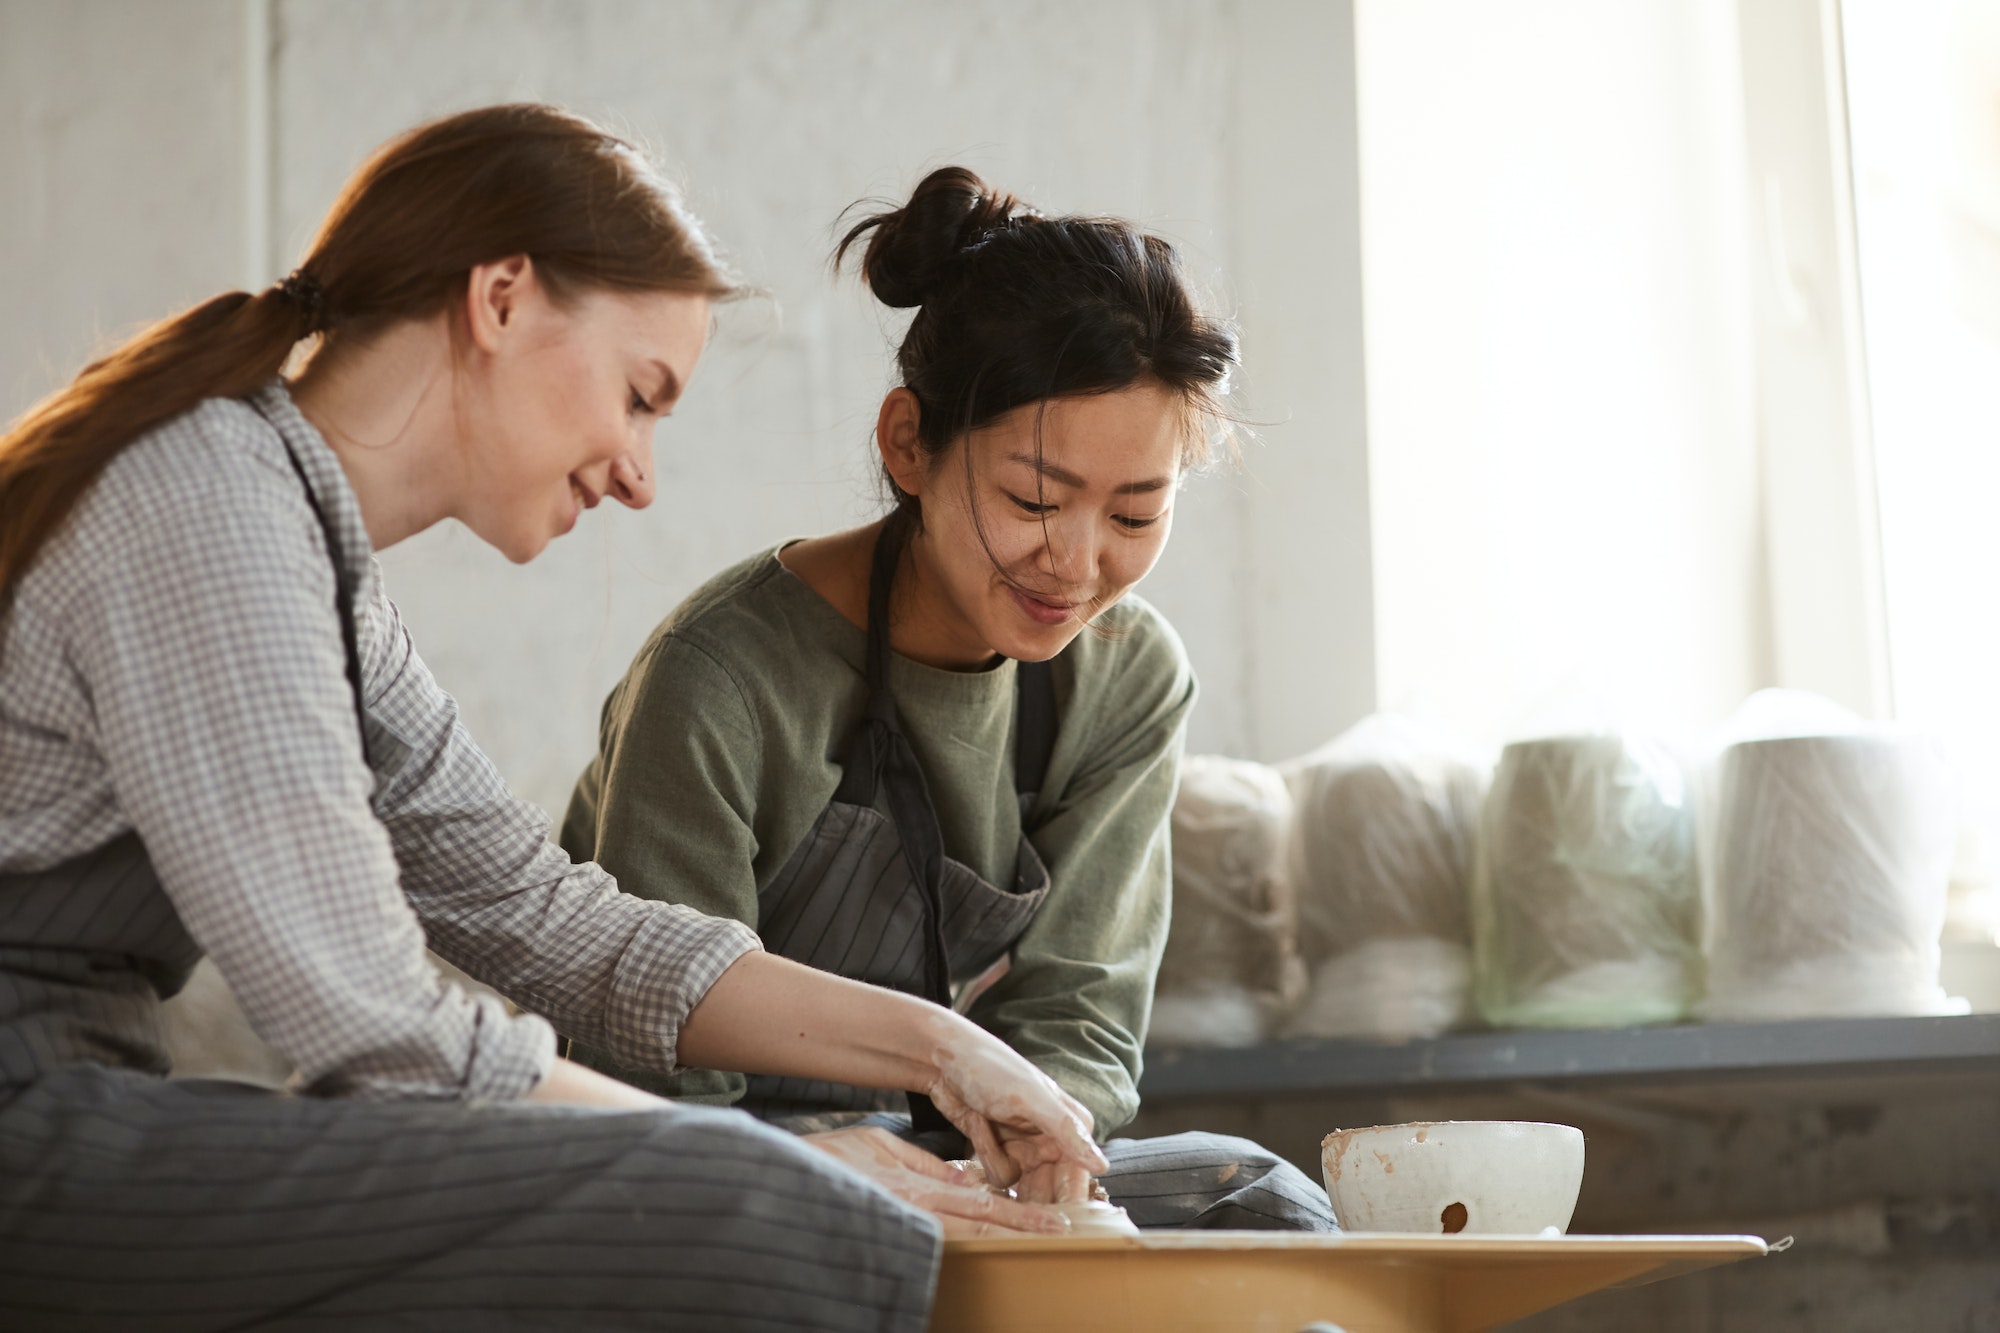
[{"x": 173, "y": 665}]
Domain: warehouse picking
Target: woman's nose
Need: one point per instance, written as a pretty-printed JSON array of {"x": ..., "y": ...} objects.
[
  {"x": 632, "y": 477},
  {"x": 1075, "y": 553}
]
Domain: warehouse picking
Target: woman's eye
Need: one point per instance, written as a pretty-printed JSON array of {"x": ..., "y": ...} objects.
[
  {"x": 1030, "y": 507},
  {"x": 1128, "y": 521}
]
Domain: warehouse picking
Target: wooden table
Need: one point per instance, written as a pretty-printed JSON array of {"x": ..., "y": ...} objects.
[{"x": 1278, "y": 1282}]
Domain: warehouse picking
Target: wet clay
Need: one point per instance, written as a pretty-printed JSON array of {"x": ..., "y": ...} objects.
[{"x": 1096, "y": 1219}]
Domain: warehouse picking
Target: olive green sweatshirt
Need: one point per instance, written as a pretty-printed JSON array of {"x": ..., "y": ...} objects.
[{"x": 723, "y": 743}]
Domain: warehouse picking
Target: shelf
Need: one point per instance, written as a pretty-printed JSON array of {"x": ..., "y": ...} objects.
[{"x": 1816, "y": 1048}]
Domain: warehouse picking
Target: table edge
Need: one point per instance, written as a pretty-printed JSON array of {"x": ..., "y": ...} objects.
[{"x": 1410, "y": 1245}]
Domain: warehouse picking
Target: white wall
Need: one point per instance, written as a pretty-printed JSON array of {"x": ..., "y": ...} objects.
[
  {"x": 1564, "y": 465},
  {"x": 120, "y": 175},
  {"x": 778, "y": 114}
]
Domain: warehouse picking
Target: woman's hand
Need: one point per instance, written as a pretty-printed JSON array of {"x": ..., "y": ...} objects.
[
  {"x": 1019, "y": 1122},
  {"x": 1051, "y": 1182},
  {"x": 955, "y": 1196},
  {"x": 770, "y": 1015},
  {"x": 1056, "y": 1182}
]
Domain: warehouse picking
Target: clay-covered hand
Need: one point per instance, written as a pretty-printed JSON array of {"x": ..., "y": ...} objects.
[
  {"x": 959, "y": 1199},
  {"x": 1054, "y": 1182},
  {"x": 1013, "y": 1114}
]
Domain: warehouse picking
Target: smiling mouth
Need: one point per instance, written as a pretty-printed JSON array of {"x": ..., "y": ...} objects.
[
  {"x": 1042, "y": 609},
  {"x": 585, "y": 497}
]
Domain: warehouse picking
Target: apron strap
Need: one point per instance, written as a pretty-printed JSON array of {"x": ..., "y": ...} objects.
[
  {"x": 880, "y": 754},
  {"x": 343, "y": 592},
  {"x": 862, "y": 767},
  {"x": 1036, "y": 720},
  {"x": 1035, "y": 726}
]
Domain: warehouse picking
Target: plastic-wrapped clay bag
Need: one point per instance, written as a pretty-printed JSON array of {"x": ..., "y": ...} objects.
[
  {"x": 1231, "y": 965},
  {"x": 1833, "y": 843},
  {"x": 1586, "y": 903},
  {"x": 1382, "y": 855}
]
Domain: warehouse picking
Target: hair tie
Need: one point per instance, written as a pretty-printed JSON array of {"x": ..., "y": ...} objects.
[{"x": 302, "y": 289}]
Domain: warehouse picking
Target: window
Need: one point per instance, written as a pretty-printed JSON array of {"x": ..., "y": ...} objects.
[{"x": 1923, "y": 98}]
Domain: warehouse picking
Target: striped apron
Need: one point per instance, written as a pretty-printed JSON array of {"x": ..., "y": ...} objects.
[
  {"x": 873, "y": 897},
  {"x": 89, "y": 948}
]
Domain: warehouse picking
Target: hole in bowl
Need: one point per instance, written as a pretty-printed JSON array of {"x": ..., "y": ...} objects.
[{"x": 1453, "y": 1218}]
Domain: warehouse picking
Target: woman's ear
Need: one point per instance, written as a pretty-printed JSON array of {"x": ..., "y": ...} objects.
[
  {"x": 898, "y": 436},
  {"x": 494, "y": 296}
]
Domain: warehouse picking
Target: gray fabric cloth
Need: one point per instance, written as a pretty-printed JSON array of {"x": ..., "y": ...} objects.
[
  {"x": 1193, "y": 1181},
  {"x": 131, "y": 1202},
  {"x": 87, "y": 951},
  {"x": 1208, "y": 1181},
  {"x": 172, "y": 668},
  {"x": 845, "y": 903}
]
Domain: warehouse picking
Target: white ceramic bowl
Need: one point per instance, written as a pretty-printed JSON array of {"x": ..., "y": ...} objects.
[{"x": 1489, "y": 1177}]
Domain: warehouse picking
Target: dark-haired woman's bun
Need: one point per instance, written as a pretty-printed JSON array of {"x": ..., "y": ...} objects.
[
  {"x": 915, "y": 246},
  {"x": 1015, "y": 308}
]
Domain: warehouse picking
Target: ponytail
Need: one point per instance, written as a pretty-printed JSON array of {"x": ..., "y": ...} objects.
[{"x": 50, "y": 457}]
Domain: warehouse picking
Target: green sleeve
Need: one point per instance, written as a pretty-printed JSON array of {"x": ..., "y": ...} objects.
[
  {"x": 666, "y": 808},
  {"x": 1080, "y": 990}
]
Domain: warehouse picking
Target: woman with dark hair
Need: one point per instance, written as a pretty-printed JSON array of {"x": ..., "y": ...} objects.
[
  {"x": 937, "y": 753},
  {"x": 216, "y": 737}
]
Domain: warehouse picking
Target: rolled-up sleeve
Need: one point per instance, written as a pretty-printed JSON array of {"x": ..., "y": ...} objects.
[
  {"x": 216, "y": 676},
  {"x": 502, "y": 902}
]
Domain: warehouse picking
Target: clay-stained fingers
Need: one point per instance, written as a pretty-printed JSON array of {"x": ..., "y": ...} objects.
[
  {"x": 1051, "y": 1182},
  {"x": 1065, "y": 1129},
  {"x": 980, "y": 1076},
  {"x": 971, "y": 1170},
  {"x": 909, "y": 1156},
  {"x": 1001, "y": 1171},
  {"x": 1031, "y": 1152},
  {"x": 1073, "y": 1183},
  {"x": 1065, "y": 1124},
  {"x": 1024, "y": 1144},
  {"x": 1054, "y": 1182},
  {"x": 938, "y": 1187},
  {"x": 897, "y": 1166},
  {"x": 868, "y": 1149},
  {"x": 982, "y": 1207},
  {"x": 961, "y": 1228}
]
